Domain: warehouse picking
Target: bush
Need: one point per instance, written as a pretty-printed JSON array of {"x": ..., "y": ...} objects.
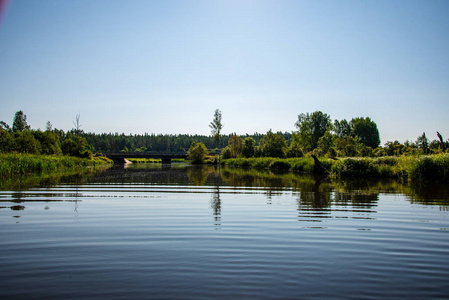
[
  {"x": 226, "y": 153},
  {"x": 354, "y": 167},
  {"x": 197, "y": 153}
]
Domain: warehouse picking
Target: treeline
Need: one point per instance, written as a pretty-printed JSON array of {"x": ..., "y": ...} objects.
[
  {"x": 317, "y": 134},
  {"x": 22, "y": 139},
  {"x": 115, "y": 142}
]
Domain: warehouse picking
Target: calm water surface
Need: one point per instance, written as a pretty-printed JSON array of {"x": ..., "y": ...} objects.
[{"x": 202, "y": 233}]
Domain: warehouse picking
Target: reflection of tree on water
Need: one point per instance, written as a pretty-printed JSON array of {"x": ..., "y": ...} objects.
[
  {"x": 316, "y": 195},
  {"x": 216, "y": 201},
  {"x": 76, "y": 202},
  {"x": 319, "y": 199},
  {"x": 198, "y": 174},
  {"x": 216, "y": 206},
  {"x": 429, "y": 194}
]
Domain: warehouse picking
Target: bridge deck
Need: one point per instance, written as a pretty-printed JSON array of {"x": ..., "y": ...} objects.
[
  {"x": 165, "y": 156},
  {"x": 162, "y": 155}
]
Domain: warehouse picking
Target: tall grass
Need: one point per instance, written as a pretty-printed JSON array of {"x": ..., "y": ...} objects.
[
  {"x": 20, "y": 163},
  {"x": 432, "y": 168},
  {"x": 144, "y": 160},
  {"x": 302, "y": 164}
]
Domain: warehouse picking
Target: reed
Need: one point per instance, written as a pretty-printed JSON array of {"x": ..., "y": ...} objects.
[
  {"x": 431, "y": 168},
  {"x": 144, "y": 160},
  {"x": 302, "y": 164},
  {"x": 20, "y": 163}
]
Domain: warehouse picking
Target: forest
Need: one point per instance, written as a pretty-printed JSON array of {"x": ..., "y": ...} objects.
[{"x": 316, "y": 134}]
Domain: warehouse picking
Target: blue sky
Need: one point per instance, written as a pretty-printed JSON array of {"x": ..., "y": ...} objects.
[{"x": 165, "y": 66}]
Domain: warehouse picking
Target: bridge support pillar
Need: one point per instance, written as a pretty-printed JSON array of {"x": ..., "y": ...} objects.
[
  {"x": 166, "y": 160},
  {"x": 119, "y": 160}
]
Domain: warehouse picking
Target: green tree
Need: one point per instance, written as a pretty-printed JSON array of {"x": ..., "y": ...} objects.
[
  {"x": 4, "y": 126},
  {"x": 69, "y": 147},
  {"x": 249, "y": 147},
  {"x": 197, "y": 152},
  {"x": 7, "y": 143},
  {"x": 236, "y": 144},
  {"x": 423, "y": 143},
  {"x": 74, "y": 145},
  {"x": 311, "y": 127},
  {"x": 295, "y": 149},
  {"x": 342, "y": 128},
  {"x": 226, "y": 152},
  {"x": 216, "y": 126},
  {"x": 366, "y": 130},
  {"x": 49, "y": 142},
  {"x": 325, "y": 142},
  {"x": 345, "y": 146},
  {"x": 273, "y": 144},
  {"x": 26, "y": 143},
  {"x": 20, "y": 122},
  {"x": 48, "y": 126},
  {"x": 394, "y": 148}
]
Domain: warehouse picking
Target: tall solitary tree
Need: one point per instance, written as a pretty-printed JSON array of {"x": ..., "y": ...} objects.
[
  {"x": 216, "y": 126},
  {"x": 77, "y": 124},
  {"x": 20, "y": 122}
]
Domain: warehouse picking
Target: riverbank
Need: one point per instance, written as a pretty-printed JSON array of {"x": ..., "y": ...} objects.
[
  {"x": 152, "y": 160},
  {"x": 19, "y": 163},
  {"x": 429, "y": 168}
]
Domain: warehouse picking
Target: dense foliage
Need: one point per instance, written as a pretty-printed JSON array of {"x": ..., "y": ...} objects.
[
  {"x": 197, "y": 153},
  {"x": 427, "y": 168},
  {"x": 22, "y": 139},
  {"x": 316, "y": 134}
]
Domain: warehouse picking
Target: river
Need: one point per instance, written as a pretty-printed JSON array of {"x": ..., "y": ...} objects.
[{"x": 186, "y": 232}]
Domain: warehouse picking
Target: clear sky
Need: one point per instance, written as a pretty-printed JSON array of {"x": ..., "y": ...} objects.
[{"x": 165, "y": 66}]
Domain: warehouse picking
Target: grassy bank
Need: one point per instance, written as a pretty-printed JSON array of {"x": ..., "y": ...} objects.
[
  {"x": 432, "y": 168},
  {"x": 144, "y": 160},
  {"x": 152, "y": 160},
  {"x": 19, "y": 164},
  {"x": 303, "y": 164}
]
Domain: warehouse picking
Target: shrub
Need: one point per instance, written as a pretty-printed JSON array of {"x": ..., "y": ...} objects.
[
  {"x": 354, "y": 167},
  {"x": 197, "y": 153},
  {"x": 226, "y": 153}
]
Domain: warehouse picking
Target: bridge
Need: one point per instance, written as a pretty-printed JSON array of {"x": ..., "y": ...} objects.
[{"x": 166, "y": 157}]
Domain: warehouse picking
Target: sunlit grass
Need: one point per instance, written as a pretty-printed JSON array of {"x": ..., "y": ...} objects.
[
  {"x": 20, "y": 163},
  {"x": 431, "y": 168},
  {"x": 144, "y": 160}
]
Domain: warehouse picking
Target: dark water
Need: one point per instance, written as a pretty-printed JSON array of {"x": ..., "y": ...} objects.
[{"x": 203, "y": 233}]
